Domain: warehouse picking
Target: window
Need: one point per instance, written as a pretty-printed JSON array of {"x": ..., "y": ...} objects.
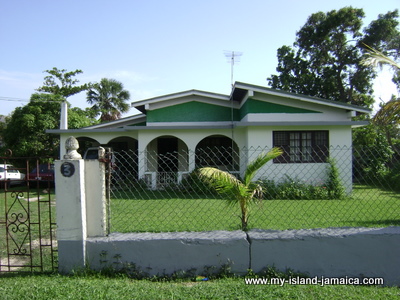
[{"x": 302, "y": 146}]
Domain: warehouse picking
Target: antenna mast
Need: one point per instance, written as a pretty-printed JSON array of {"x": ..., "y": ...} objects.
[{"x": 233, "y": 57}]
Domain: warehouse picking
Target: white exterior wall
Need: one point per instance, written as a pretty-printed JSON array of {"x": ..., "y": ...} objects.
[{"x": 311, "y": 173}]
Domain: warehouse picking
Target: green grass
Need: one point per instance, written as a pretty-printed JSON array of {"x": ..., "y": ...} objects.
[
  {"x": 159, "y": 211},
  {"x": 99, "y": 287}
]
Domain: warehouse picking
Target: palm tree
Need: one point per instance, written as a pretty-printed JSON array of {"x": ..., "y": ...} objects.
[
  {"x": 108, "y": 99},
  {"x": 245, "y": 192}
]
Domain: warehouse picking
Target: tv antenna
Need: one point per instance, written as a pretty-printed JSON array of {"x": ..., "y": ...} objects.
[{"x": 234, "y": 57}]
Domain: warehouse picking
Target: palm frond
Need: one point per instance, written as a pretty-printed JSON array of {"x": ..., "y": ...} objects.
[
  {"x": 376, "y": 58},
  {"x": 222, "y": 181},
  {"x": 258, "y": 163},
  {"x": 388, "y": 114}
]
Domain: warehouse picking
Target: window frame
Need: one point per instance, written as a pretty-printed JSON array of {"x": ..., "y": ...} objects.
[{"x": 301, "y": 146}]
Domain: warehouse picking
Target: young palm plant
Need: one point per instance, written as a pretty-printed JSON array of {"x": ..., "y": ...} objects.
[{"x": 244, "y": 192}]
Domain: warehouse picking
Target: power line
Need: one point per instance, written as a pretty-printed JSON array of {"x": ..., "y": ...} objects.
[{"x": 10, "y": 99}]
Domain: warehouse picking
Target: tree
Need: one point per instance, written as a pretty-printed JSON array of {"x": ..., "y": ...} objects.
[
  {"x": 25, "y": 132},
  {"x": 108, "y": 99},
  {"x": 325, "y": 60},
  {"x": 245, "y": 191},
  {"x": 67, "y": 84}
]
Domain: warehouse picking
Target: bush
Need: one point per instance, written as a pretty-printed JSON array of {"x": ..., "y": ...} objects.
[
  {"x": 296, "y": 189},
  {"x": 293, "y": 189}
]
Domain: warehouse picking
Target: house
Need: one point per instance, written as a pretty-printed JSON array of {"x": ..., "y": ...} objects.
[{"x": 252, "y": 118}]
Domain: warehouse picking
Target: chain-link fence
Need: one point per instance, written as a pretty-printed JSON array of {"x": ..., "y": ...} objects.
[{"x": 355, "y": 187}]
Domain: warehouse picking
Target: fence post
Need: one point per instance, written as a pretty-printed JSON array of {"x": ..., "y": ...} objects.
[{"x": 80, "y": 206}]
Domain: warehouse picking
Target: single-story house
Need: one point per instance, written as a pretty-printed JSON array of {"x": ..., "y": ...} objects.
[{"x": 308, "y": 129}]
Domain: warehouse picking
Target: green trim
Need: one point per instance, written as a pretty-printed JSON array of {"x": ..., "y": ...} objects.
[
  {"x": 253, "y": 106},
  {"x": 138, "y": 124},
  {"x": 192, "y": 112}
]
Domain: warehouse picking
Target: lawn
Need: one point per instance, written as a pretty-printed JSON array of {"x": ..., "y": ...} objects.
[
  {"x": 163, "y": 211},
  {"x": 99, "y": 287}
]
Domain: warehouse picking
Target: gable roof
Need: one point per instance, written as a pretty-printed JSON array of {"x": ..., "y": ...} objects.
[{"x": 241, "y": 92}]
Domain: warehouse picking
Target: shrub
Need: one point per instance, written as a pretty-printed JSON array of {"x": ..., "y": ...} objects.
[{"x": 333, "y": 185}]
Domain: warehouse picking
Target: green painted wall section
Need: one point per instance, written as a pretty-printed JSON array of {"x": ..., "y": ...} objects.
[
  {"x": 192, "y": 112},
  {"x": 203, "y": 112},
  {"x": 253, "y": 106}
]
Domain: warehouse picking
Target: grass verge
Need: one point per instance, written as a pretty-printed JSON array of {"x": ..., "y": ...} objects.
[{"x": 100, "y": 287}]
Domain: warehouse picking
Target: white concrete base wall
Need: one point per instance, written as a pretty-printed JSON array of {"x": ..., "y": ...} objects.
[
  {"x": 352, "y": 252},
  {"x": 330, "y": 252},
  {"x": 166, "y": 253}
]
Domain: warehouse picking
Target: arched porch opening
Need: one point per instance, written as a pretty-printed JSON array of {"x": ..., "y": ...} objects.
[
  {"x": 126, "y": 158},
  {"x": 167, "y": 161},
  {"x": 218, "y": 151},
  {"x": 86, "y": 143}
]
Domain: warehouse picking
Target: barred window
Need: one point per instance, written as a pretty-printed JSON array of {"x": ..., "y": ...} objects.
[{"x": 302, "y": 146}]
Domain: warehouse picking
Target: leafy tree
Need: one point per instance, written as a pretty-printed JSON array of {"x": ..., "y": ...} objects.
[
  {"x": 62, "y": 83},
  {"x": 25, "y": 132},
  {"x": 108, "y": 98},
  {"x": 244, "y": 192},
  {"x": 325, "y": 60}
]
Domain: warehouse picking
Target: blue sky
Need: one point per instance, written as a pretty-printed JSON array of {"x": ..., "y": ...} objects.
[{"x": 153, "y": 47}]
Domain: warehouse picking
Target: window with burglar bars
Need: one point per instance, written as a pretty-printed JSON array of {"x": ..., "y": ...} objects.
[{"x": 302, "y": 146}]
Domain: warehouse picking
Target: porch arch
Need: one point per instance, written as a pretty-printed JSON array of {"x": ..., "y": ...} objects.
[
  {"x": 167, "y": 153},
  {"x": 218, "y": 151},
  {"x": 126, "y": 155},
  {"x": 166, "y": 161},
  {"x": 85, "y": 143}
]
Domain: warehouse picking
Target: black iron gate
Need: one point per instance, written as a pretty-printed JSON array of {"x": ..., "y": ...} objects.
[{"x": 27, "y": 215}]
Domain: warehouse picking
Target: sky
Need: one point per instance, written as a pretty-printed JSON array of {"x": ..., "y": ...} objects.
[{"x": 155, "y": 47}]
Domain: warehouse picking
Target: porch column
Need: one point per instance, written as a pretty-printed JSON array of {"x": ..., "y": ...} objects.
[{"x": 192, "y": 160}]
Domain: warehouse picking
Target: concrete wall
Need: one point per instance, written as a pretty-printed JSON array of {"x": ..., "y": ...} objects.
[{"x": 332, "y": 252}]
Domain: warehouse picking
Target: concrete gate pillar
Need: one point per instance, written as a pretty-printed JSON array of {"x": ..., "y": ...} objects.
[{"x": 81, "y": 206}]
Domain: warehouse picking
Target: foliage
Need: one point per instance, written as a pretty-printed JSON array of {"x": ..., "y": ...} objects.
[
  {"x": 25, "y": 132},
  {"x": 325, "y": 60},
  {"x": 376, "y": 58},
  {"x": 387, "y": 118},
  {"x": 62, "y": 83},
  {"x": 297, "y": 189},
  {"x": 108, "y": 98},
  {"x": 372, "y": 154},
  {"x": 294, "y": 189},
  {"x": 333, "y": 184},
  {"x": 245, "y": 191}
]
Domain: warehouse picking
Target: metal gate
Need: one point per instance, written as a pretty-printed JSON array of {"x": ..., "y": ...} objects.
[{"x": 27, "y": 215}]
